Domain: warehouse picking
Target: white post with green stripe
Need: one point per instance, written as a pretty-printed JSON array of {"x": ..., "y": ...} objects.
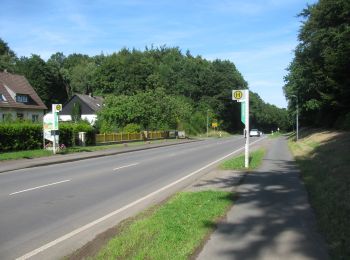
[{"x": 242, "y": 96}]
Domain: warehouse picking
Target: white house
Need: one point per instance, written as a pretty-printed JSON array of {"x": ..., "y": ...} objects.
[{"x": 89, "y": 105}]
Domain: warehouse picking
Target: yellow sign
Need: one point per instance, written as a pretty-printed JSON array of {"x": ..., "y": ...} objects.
[
  {"x": 238, "y": 95},
  {"x": 56, "y": 107},
  {"x": 213, "y": 125}
]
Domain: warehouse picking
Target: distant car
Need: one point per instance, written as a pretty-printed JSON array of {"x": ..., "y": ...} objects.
[{"x": 254, "y": 132}]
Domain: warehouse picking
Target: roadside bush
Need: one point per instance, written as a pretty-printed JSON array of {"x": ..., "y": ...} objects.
[
  {"x": 132, "y": 128},
  {"x": 20, "y": 136},
  {"x": 69, "y": 133},
  {"x": 17, "y": 136}
]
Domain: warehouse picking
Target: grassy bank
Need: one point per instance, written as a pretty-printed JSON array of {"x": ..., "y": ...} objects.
[
  {"x": 173, "y": 231},
  {"x": 42, "y": 153},
  {"x": 324, "y": 161},
  {"x": 237, "y": 163}
]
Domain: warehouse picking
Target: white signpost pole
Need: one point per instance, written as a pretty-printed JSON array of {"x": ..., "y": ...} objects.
[
  {"x": 243, "y": 97},
  {"x": 55, "y": 109},
  {"x": 246, "y": 157}
]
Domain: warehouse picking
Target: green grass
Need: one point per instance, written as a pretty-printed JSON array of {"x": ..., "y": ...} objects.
[
  {"x": 323, "y": 159},
  {"x": 173, "y": 231},
  {"x": 24, "y": 154},
  {"x": 275, "y": 135},
  {"x": 237, "y": 163},
  {"x": 42, "y": 153}
]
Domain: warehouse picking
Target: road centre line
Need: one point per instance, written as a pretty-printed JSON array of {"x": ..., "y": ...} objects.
[
  {"x": 39, "y": 187},
  {"x": 97, "y": 221},
  {"x": 125, "y": 166}
]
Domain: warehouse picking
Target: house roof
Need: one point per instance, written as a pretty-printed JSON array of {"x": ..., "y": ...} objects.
[
  {"x": 94, "y": 102},
  {"x": 13, "y": 84}
]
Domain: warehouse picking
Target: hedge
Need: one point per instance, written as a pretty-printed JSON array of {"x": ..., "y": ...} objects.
[
  {"x": 20, "y": 136},
  {"x": 16, "y": 136}
]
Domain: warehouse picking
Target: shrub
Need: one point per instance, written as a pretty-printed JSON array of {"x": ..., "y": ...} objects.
[
  {"x": 69, "y": 133},
  {"x": 16, "y": 136},
  {"x": 132, "y": 128},
  {"x": 20, "y": 136}
]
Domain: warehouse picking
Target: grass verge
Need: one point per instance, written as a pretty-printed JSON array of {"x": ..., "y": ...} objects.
[
  {"x": 323, "y": 158},
  {"x": 42, "y": 153},
  {"x": 174, "y": 230},
  {"x": 275, "y": 135},
  {"x": 237, "y": 163}
]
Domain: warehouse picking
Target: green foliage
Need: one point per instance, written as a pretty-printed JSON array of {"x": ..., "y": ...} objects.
[
  {"x": 7, "y": 57},
  {"x": 17, "y": 136},
  {"x": 237, "y": 163},
  {"x": 173, "y": 231},
  {"x": 320, "y": 73},
  {"x": 132, "y": 128},
  {"x": 327, "y": 180},
  {"x": 44, "y": 78},
  {"x": 76, "y": 112},
  {"x": 151, "y": 110},
  {"x": 190, "y": 85},
  {"x": 69, "y": 133}
]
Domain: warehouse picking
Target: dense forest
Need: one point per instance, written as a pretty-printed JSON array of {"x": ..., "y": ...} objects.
[
  {"x": 158, "y": 88},
  {"x": 319, "y": 75}
]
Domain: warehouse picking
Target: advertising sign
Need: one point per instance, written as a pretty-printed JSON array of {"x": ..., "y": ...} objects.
[{"x": 48, "y": 126}]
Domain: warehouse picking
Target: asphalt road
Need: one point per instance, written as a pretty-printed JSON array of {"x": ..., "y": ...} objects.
[{"x": 49, "y": 211}]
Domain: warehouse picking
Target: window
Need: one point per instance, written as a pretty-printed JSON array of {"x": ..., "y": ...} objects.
[
  {"x": 20, "y": 116},
  {"x": 22, "y": 98},
  {"x": 35, "y": 118},
  {"x": 2, "y": 97}
]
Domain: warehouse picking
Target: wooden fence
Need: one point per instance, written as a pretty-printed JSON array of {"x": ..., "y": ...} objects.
[{"x": 125, "y": 137}]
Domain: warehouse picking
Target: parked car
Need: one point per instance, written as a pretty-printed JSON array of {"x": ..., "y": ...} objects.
[{"x": 254, "y": 132}]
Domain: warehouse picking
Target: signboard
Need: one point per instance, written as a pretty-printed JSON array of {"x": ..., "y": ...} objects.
[
  {"x": 214, "y": 125},
  {"x": 239, "y": 95},
  {"x": 56, "y": 107},
  {"x": 48, "y": 126}
]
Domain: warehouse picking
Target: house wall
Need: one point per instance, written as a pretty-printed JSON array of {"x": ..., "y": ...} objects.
[{"x": 27, "y": 113}]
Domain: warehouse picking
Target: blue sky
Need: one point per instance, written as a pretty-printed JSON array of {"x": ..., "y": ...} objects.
[{"x": 259, "y": 36}]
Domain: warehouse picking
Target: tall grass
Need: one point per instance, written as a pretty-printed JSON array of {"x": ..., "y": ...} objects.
[{"x": 324, "y": 159}]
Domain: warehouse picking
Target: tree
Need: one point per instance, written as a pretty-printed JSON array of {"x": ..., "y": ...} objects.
[
  {"x": 44, "y": 78},
  {"x": 76, "y": 112},
  {"x": 320, "y": 72},
  {"x": 7, "y": 57}
]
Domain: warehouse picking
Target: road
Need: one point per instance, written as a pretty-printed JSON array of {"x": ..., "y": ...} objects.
[{"x": 46, "y": 212}]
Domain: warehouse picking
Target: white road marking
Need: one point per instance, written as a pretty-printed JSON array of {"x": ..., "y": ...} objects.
[
  {"x": 125, "y": 166},
  {"x": 97, "y": 221},
  {"x": 39, "y": 187}
]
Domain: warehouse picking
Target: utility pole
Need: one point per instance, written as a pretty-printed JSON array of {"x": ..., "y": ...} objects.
[
  {"x": 207, "y": 122},
  {"x": 297, "y": 117}
]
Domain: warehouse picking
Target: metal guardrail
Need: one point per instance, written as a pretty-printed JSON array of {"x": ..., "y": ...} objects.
[{"x": 123, "y": 137}]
